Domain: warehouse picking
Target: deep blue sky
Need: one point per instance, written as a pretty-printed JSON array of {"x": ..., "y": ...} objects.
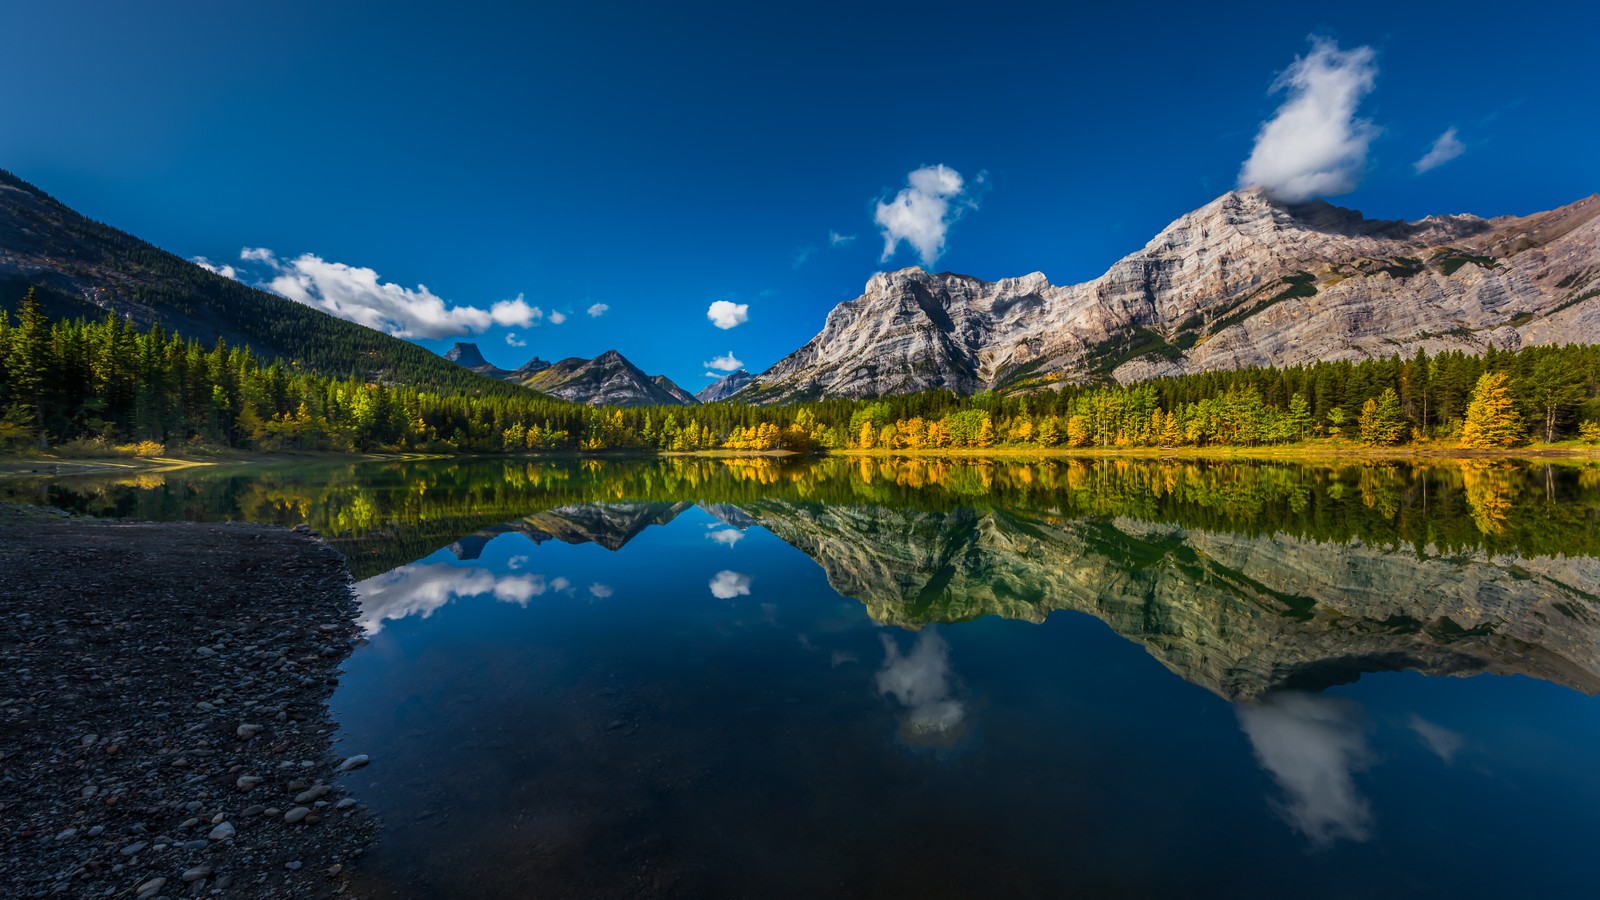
[{"x": 658, "y": 157}]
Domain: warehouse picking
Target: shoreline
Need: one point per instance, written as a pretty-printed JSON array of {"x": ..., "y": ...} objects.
[
  {"x": 164, "y": 695},
  {"x": 15, "y": 466}
]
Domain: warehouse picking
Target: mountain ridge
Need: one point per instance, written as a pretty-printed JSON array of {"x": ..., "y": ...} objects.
[{"x": 1244, "y": 280}]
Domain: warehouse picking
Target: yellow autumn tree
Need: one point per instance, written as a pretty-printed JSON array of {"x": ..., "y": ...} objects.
[{"x": 1492, "y": 419}]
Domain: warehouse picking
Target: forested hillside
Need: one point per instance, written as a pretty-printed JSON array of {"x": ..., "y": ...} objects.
[
  {"x": 107, "y": 383},
  {"x": 84, "y": 268}
]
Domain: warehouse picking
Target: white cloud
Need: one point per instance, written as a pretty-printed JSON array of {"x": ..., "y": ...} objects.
[
  {"x": 921, "y": 680},
  {"x": 1444, "y": 148},
  {"x": 1442, "y": 741},
  {"x": 1314, "y": 145},
  {"x": 728, "y": 585},
  {"x": 726, "y": 363},
  {"x": 726, "y": 314},
  {"x": 515, "y": 313},
  {"x": 1312, "y": 745},
  {"x": 922, "y": 213},
  {"x": 599, "y": 309},
  {"x": 727, "y": 537},
  {"x": 357, "y": 294},
  {"x": 556, "y": 318},
  {"x": 421, "y": 588},
  {"x": 835, "y": 239},
  {"x": 600, "y": 591},
  {"x": 513, "y": 340},
  {"x": 223, "y": 269}
]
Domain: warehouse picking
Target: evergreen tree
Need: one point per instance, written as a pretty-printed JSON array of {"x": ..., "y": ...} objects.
[{"x": 1382, "y": 421}]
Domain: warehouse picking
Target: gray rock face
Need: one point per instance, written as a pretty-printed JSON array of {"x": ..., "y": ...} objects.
[
  {"x": 466, "y": 353},
  {"x": 724, "y": 387},
  {"x": 1242, "y": 281},
  {"x": 607, "y": 380}
]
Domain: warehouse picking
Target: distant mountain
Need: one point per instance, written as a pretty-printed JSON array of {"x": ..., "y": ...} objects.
[
  {"x": 1243, "y": 281},
  {"x": 466, "y": 353},
  {"x": 83, "y": 268},
  {"x": 607, "y": 380},
  {"x": 724, "y": 387}
]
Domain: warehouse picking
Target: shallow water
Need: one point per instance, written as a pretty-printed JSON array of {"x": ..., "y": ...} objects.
[{"x": 863, "y": 678}]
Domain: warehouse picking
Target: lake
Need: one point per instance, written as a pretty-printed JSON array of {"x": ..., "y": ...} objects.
[{"x": 923, "y": 678}]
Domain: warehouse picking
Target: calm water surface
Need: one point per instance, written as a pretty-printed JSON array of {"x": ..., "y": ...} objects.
[{"x": 753, "y": 679}]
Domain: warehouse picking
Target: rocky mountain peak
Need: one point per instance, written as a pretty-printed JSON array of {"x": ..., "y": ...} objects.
[
  {"x": 1245, "y": 280},
  {"x": 466, "y": 354}
]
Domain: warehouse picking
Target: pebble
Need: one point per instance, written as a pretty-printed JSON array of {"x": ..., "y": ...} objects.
[
  {"x": 315, "y": 793},
  {"x": 194, "y": 845},
  {"x": 190, "y": 822},
  {"x": 346, "y": 803},
  {"x": 249, "y": 782},
  {"x": 296, "y": 814},
  {"x": 67, "y": 834},
  {"x": 150, "y": 888},
  {"x": 134, "y": 847},
  {"x": 96, "y": 831},
  {"x": 248, "y": 731},
  {"x": 354, "y": 762},
  {"x": 255, "y": 810},
  {"x": 197, "y": 873},
  {"x": 222, "y": 832},
  {"x": 293, "y": 866}
]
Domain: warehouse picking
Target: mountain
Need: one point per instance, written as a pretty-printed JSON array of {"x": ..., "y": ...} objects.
[
  {"x": 724, "y": 387},
  {"x": 607, "y": 380},
  {"x": 83, "y": 268},
  {"x": 1243, "y": 281},
  {"x": 678, "y": 393},
  {"x": 466, "y": 353}
]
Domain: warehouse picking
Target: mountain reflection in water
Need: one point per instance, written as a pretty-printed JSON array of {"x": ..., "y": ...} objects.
[{"x": 867, "y": 677}]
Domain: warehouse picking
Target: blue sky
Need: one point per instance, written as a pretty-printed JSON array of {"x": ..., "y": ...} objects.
[{"x": 653, "y": 159}]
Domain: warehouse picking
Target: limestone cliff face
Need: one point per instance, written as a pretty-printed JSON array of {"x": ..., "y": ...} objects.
[
  {"x": 724, "y": 387},
  {"x": 1242, "y": 281},
  {"x": 1240, "y": 616}
]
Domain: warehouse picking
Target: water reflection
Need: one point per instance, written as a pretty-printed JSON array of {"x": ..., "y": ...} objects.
[
  {"x": 921, "y": 681},
  {"x": 420, "y": 589},
  {"x": 1313, "y": 746},
  {"x": 729, "y": 584}
]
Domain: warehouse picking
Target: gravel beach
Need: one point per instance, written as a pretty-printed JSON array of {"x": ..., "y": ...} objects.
[{"x": 164, "y": 728}]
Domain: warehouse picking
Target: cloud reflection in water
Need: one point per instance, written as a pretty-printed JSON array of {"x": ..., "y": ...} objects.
[
  {"x": 1312, "y": 745},
  {"x": 922, "y": 682},
  {"x": 420, "y": 588}
]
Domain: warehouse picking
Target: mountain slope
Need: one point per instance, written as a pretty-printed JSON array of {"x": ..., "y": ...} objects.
[
  {"x": 83, "y": 268},
  {"x": 607, "y": 380},
  {"x": 466, "y": 353},
  {"x": 724, "y": 387},
  {"x": 1242, "y": 281}
]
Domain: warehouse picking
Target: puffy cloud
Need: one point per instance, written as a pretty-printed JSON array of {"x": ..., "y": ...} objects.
[
  {"x": 1314, "y": 145},
  {"x": 1312, "y": 745},
  {"x": 357, "y": 294},
  {"x": 727, "y": 537},
  {"x": 922, "y": 682},
  {"x": 513, "y": 340},
  {"x": 515, "y": 313},
  {"x": 726, "y": 314},
  {"x": 726, "y": 363},
  {"x": 922, "y": 213},
  {"x": 556, "y": 317},
  {"x": 223, "y": 269},
  {"x": 598, "y": 309},
  {"x": 420, "y": 588},
  {"x": 1442, "y": 741},
  {"x": 1444, "y": 148},
  {"x": 600, "y": 591},
  {"x": 835, "y": 239},
  {"x": 728, "y": 585}
]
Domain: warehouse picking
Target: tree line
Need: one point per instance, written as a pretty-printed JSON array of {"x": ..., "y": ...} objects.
[{"x": 105, "y": 383}]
